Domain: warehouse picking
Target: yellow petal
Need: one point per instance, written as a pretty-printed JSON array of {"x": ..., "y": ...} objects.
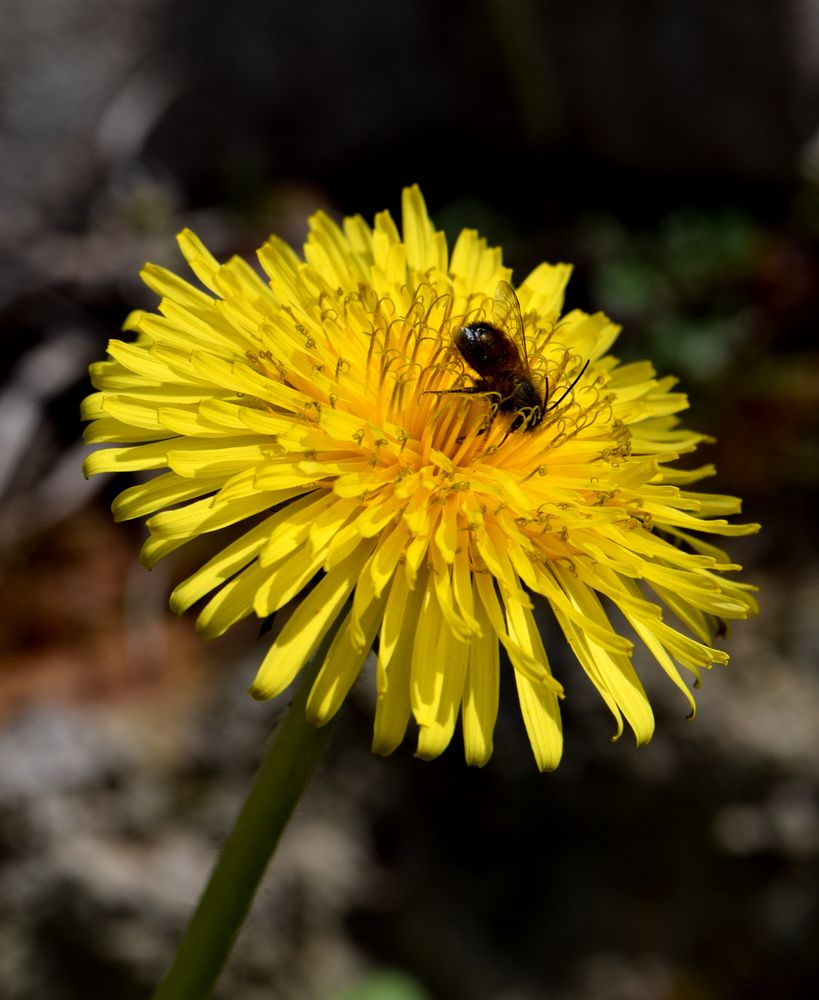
[
  {"x": 388, "y": 551},
  {"x": 393, "y": 708},
  {"x": 538, "y": 700},
  {"x": 542, "y": 291},
  {"x": 284, "y": 580},
  {"x": 437, "y": 678},
  {"x": 522, "y": 660},
  {"x": 200, "y": 260},
  {"x": 425, "y": 248},
  {"x": 304, "y": 629},
  {"x": 161, "y": 491},
  {"x": 480, "y": 701},
  {"x": 612, "y": 673},
  {"x": 343, "y": 663},
  {"x": 226, "y": 563},
  {"x": 231, "y": 603}
]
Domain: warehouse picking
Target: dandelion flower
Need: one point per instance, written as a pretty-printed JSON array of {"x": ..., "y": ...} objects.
[{"x": 315, "y": 410}]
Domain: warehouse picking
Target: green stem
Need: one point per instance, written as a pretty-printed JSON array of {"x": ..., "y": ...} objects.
[{"x": 223, "y": 906}]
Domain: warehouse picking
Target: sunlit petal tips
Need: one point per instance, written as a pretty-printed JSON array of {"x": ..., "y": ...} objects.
[{"x": 315, "y": 410}]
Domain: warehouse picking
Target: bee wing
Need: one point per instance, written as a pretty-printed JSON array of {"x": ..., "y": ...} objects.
[{"x": 506, "y": 315}]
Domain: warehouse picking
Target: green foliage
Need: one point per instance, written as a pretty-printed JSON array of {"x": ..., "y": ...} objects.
[
  {"x": 680, "y": 288},
  {"x": 386, "y": 985}
]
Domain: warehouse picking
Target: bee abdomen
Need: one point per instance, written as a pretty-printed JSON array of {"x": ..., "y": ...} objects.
[{"x": 487, "y": 349}]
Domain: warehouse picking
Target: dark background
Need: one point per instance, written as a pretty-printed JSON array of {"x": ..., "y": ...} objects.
[{"x": 671, "y": 151}]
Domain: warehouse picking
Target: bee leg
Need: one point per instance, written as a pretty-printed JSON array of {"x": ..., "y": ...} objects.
[
  {"x": 478, "y": 389},
  {"x": 472, "y": 390}
]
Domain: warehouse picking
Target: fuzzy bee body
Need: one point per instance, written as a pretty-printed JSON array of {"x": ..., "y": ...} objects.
[
  {"x": 497, "y": 353},
  {"x": 502, "y": 372}
]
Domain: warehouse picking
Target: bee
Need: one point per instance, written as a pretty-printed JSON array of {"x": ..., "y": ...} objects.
[{"x": 497, "y": 352}]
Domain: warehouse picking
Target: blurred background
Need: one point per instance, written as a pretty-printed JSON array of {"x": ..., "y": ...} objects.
[{"x": 670, "y": 149}]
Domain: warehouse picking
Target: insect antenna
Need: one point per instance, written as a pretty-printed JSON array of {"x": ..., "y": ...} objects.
[{"x": 577, "y": 378}]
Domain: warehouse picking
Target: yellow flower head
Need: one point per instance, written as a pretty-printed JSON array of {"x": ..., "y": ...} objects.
[{"x": 394, "y": 477}]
